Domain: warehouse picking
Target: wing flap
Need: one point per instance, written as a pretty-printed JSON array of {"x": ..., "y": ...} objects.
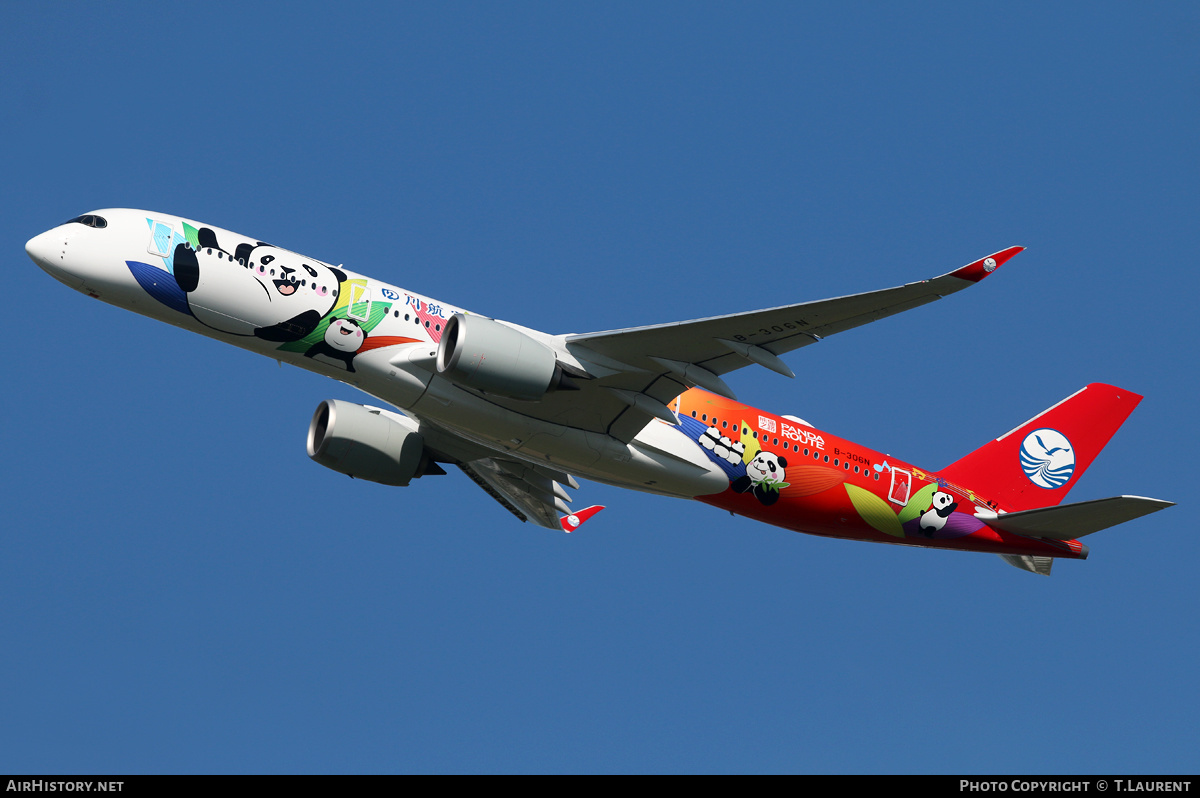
[
  {"x": 1073, "y": 521},
  {"x": 1030, "y": 562},
  {"x": 521, "y": 489}
]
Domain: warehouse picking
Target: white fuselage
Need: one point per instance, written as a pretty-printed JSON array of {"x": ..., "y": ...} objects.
[{"x": 381, "y": 339}]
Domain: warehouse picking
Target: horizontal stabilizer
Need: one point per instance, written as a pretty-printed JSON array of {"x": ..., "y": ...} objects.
[{"x": 1072, "y": 521}]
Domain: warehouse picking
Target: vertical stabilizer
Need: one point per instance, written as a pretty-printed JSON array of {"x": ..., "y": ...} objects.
[{"x": 1036, "y": 464}]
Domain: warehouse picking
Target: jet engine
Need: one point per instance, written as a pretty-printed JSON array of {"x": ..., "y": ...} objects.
[
  {"x": 495, "y": 358},
  {"x": 368, "y": 443}
]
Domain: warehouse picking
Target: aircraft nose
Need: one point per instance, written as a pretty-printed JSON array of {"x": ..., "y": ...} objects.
[
  {"x": 41, "y": 249},
  {"x": 49, "y": 251}
]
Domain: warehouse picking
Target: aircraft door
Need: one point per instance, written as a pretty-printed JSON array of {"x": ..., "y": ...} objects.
[
  {"x": 901, "y": 486},
  {"x": 358, "y": 306},
  {"x": 162, "y": 236}
]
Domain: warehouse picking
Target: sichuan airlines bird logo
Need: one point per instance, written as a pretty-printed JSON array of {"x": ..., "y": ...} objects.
[{"x": 1047, "y": 458}]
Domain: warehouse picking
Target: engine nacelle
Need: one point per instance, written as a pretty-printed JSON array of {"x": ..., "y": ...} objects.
[
  {"x": 495, "y": 358},
  {"x": 366, "y": 444}
]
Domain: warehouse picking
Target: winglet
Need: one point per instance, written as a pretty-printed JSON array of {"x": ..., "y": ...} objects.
[
  {"x": 984, "y": 266},
  {"x": 575, "y": 520}
]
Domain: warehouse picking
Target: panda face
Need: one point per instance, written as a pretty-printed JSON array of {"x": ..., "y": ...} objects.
[
  {"x": 942, "y": 500},
  {"x": 766, "y": 467},
  {"x": 710, "y": 438},
  {"x": 736, "y": 452},
  {"x": 285, "y": 275},
  {"x": 259, "y": 288},
  {"x": 344, "y": 335}
]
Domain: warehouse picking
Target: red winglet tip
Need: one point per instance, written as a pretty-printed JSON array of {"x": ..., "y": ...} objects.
[
  {"x": 984, "y": 266},
  {"x": 575, "y": 520}
]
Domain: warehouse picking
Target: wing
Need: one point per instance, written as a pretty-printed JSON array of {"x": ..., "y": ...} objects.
[
  {"x": 627, "y": 377},
  {"x": 1030, "y": 562},
  {"x": 524, "y": 490},
  {"x": 639, "y": 370},
  {"x": 531, "y": 492}
]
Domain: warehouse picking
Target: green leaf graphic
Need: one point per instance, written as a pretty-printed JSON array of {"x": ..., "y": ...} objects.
[
  {"x": 192, "y": 236},
  {"x": 918, "y": 503},
  {"x": 874, "y": 510}
]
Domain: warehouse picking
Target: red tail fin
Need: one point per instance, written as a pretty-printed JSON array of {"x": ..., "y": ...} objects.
[{"x": 1036, "y": 464}]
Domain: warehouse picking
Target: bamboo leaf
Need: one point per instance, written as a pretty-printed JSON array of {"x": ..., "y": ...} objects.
[
  {"x": 918, "y": 503},
  {"x": 875, "y": 511}
]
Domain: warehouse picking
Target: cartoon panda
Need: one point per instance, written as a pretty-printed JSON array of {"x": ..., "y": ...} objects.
[
  {"x": 710, "y": 439},
  {"x": 259, "y": 290},
  {"x": 343, "y": 339},
  {"x": 933, "y": 519},
  {"x": 764, "y": 477},
  {"x": 737, "y": 453},
  {"x": 721, "y": 450}
]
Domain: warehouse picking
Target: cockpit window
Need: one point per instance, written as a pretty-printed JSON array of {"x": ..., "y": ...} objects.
[{"x": 91, "y": 220}]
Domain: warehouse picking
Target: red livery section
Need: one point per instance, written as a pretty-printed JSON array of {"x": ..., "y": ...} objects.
[
  {"x": 1036, "y": 464},
  {"x": 984, "y": 266},
  {"x": 787, "y": 473}
]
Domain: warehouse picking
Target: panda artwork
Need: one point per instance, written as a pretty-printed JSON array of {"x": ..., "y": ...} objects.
[
  {"x": 764, "y": 477},
  {"x": 720, "y": 447},
  {"x": 933, "y": 519},
  {"x": 343, "y": 339},
  {"x": 737, "y": 451},
  {"x": 264, "y": 291},
  {"x": 723, "y": 447}
]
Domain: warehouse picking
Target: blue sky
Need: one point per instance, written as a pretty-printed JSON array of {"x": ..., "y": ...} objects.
[{"x": 184, "y": 591}]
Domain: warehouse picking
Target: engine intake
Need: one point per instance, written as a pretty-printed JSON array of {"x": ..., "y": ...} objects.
[
  {"x": 364, "y": 443},
  {"x": 494, "y": 358}
]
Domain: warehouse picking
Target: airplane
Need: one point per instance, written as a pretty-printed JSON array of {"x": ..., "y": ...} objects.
[{"x": 523, "y": 413}]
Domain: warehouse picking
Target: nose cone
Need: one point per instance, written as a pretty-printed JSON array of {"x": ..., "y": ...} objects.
[
  {"x": 42, "y": 248},
  {"x": 49, "y": 251}
]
